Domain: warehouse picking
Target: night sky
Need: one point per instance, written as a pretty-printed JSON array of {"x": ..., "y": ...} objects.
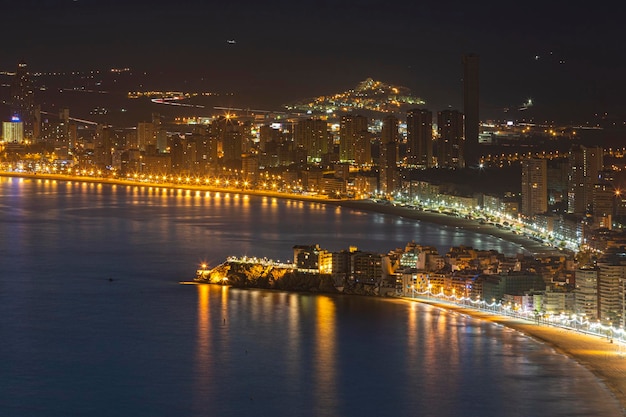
[{"x": 570, "y": 58}]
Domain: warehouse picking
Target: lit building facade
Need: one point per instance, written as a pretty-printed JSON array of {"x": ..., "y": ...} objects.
[
  {"x": 585, "y": 164},
  {"x": 534, "y": 186},
  {"x": 450, "y": 139},
  {"x": 354, "y": 140},
  {"x": 312, "y": 135},
  {"x": 388, "y": 161},
  {"x": 419, "y": 125},
  {"x": 586, "y": 292},
  {"x": 13, "y": 131},
  {"x": 22, "y": 102}
]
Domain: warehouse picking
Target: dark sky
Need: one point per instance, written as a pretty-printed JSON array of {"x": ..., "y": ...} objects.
[{"x": 287, "y": 50}]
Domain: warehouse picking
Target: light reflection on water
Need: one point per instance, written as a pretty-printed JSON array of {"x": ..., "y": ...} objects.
[
  {"x": 342, "y": 356},
  {"x": 325, "y": 366},
  {"x": 75, "y": 343}
]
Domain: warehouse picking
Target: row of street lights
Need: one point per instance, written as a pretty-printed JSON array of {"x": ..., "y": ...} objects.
[{"x": 572, "y": 322}]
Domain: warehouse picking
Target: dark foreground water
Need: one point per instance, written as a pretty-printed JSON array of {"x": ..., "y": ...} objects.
[{"x": 74, "y": 343}]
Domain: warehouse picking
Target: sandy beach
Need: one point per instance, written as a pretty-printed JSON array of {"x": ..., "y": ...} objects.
[{"x": 605, "y": 359}]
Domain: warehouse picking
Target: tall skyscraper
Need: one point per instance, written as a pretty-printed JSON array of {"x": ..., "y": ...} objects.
[
  {"x": 471, "y": 90},
  {"x": 13, "y": 131},
  {"x": 354, "y": 140},
  {"x": 389, "y": 132},
  {"x": 419, "y": 126},
  {"x": 586, "y": 291},
  {"x": 388, "y": 165},
  {"x": 146, "y": 135},
  {"x": 534, "y": 186},
  {"x": 103, "y": 145},
  {"x": 388, "y": 181},
  {"x": 312, "y": 135},
  {"x": 611, "y": 275},
  {"x": 450, "y": 141},
  {"x": 22, "y": 101},
  {"x": 585, "y": 164},
  {"x": 58, "y": 131}
]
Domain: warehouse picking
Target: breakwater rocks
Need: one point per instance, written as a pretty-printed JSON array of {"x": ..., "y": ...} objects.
[{"x": 267, "y": 276}]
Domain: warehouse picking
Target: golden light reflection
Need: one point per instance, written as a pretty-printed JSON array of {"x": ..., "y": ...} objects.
[
  {"x": 442, "y": 336},
  {"x": 411, "y": 331},
  {"x": 203, "y": 346},
  {"x": 326, "y": 354}
]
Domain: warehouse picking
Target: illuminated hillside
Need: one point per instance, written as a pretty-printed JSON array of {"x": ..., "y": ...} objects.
[{"x": 367, "y": 95}]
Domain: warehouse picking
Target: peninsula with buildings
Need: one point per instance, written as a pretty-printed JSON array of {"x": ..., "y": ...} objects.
[
  {"x": 375, "y": 147},
  {"x": 542, "y": 287}
]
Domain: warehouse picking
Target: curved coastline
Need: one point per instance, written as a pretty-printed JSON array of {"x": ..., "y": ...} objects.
[
  {"x": 604, "y": 359},
  {"x": 601, "y": 356},
  {"x": 526, "y": 244}
]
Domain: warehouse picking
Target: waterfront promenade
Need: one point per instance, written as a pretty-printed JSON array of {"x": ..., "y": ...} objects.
[
  {"x": 604, "y": 357},
  {"x": 526, "y": 244},
  {"x": 529, "y": 245}
]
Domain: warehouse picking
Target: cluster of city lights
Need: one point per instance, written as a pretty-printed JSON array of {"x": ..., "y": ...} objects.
[{"x": 572, "y": 322}]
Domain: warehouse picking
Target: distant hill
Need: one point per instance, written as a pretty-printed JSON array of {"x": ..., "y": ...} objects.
[{"x": 368, "y": 95}]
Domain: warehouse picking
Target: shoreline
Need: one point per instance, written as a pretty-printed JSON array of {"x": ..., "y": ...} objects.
[
  {"x": 604, "y": 359},
  {"x": 527, "y": 245}
]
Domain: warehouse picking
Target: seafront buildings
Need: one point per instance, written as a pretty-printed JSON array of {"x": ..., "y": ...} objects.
[
  {"x": 543, "y": 287},
  {"x": 377, "y": 142}
]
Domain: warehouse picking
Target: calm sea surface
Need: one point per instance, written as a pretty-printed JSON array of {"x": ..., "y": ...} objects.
[{"x": 73, "y": 343}]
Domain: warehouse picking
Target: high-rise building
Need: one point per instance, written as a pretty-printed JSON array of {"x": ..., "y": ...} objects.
[
  {"x": 388, "y": 161},
  {"x": 603, "y": 205},
  {"x": 103, "y": 146},
  {"x": 146, "y": 135},
  {"x": 22, "y": 101},
  {"x": 13, "y": 131},
  {"x": 59, "y": 132},
  {"x": 419, "y": 126},
  {"x": 389, "y": 176},
  {"x": 230, "y": 141},
  {"x": 534, "y": 186},
  {"x": 354, "y": 140},
  {"x": 586, "y": 292},
  {"x": 450, "y": 139},
  {"x": 471, "y": 108},
  {"x": 611, "y": 279},
  {"x": 585, "y": 164},
  {"x": 389, "y": 132},
  {"x": 312, "y": 135}
]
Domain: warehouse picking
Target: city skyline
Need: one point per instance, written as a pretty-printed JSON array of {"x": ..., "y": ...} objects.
[{"x": 568, "y": 61}]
